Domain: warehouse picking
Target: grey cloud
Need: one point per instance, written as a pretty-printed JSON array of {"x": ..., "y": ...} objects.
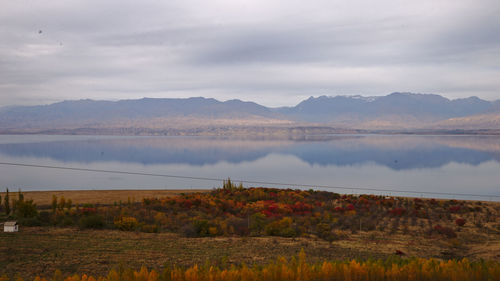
[{"x": 261, "y": 51}]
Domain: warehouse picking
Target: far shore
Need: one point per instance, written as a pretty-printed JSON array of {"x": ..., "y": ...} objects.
[{"x": 295, "y": 131}]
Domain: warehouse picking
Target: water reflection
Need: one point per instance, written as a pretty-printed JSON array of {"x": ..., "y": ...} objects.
[{"x": 394, "y": 152}]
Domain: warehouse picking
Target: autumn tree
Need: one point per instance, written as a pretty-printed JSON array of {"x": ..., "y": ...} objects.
[
  {"x": 62, "y": 203},
  {"x": 20, "y": 195},
  {"x": 300, "y": 269},
  {"x": 7, "y": 202},
  {"x": 54, "y": 203},
  {"x": 227, "y": 184},
  {"x": 26, "y": 209},
  {"x": 257, "y": 223},
  {"x": 69, "y": 204}
]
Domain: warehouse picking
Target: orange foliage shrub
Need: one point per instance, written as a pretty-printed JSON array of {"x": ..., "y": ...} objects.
[{"x": 298, "y": 269}]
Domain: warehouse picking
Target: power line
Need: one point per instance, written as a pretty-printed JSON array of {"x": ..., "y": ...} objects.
[{"x": 245, "y": 181}]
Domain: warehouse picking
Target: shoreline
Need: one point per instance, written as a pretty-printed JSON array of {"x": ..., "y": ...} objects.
[{"x": 278, "y": 132}]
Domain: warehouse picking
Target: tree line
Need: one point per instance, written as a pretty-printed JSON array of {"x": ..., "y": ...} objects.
[{"x": 297, "y": 268}]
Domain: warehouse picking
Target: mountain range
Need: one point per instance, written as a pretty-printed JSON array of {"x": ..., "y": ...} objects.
[{"x": 396, "y": 111}]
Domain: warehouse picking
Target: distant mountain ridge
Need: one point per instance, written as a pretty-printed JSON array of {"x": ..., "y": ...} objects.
[
  {"x": 91, "y": 112},
  {"x": 420, "y": 106},
  {"x": 394, "y": 111},
  {"x": 146, "y": 107}
]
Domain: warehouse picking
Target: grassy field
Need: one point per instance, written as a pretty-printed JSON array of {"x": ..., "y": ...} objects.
[
  {"x": 44, "y": 198},
  {"x": 41, "y": 250}
]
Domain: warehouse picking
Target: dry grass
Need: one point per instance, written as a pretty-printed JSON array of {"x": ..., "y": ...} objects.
[
  {"x": 41, "y": 250},
  {"x": 42, "y": 198}
]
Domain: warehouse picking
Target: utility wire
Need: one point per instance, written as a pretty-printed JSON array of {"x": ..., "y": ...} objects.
[{"x": 245, "y": 181}]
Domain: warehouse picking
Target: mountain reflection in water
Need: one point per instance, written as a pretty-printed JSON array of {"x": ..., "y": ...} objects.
[
  {"x": 395, "y": 152},
  {"x": 455, "y": 164}
]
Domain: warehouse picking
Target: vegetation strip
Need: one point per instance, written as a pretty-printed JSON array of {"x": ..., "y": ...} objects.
[
  {"x": 232, "y": 225},
  {"x": 299, "y": 269}
]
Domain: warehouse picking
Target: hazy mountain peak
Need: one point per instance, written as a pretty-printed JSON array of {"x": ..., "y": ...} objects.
[
  {"x": 418, "y": 96},
  {"x": 238, "y": 101},
  {"x": 398, "y": 109},
  {"x": 471, "y": 98},
  {"x": 353, "y": 97},
  {"x": 363, "y": 98},
  {"x": 398, "y": 106}
]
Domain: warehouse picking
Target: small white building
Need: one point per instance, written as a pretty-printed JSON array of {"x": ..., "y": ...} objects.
[{"x": 10, "y": 226}]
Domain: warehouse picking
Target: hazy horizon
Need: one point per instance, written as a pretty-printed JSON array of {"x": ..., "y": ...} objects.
[{"x": 243, "y": 100}]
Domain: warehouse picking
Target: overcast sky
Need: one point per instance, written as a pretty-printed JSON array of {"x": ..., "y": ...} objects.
[{"x": 272, "y": 52}]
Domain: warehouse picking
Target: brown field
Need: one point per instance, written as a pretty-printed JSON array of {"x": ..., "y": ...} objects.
[
  {"x": 42, "y": 250},
  {"x": 43, "y": 198}
]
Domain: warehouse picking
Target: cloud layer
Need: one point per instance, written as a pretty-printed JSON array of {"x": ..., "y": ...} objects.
[{"x": 272, "y": 52}]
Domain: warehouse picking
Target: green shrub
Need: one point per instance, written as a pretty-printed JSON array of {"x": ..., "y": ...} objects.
[
  {"x": 92, "y": 221},
  {"x": 67, "y": 221},
  {"x": 257, "y": 223},
  {"x": 26, "y": 209},
  {"x": 44, "y": 217},
  {"x": 31, "y": 222},
  {"x": 201, "y": 228}
]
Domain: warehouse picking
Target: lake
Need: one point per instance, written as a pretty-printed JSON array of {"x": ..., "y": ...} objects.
[{"x": 381, "y": 164}]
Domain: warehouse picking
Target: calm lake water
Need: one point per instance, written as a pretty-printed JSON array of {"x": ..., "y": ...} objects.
[{"x": 447, "y": 164}]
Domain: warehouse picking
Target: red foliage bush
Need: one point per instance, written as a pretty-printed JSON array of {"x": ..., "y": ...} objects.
[
  {"x": 418, "y": 203},
  {"x": 269, "y": 214},
  {"x": 399, "y": 253},
  {"x": 187, "y": 204},
  {"x": 460, "y": 222},
  {"x": 448, "y": 232},
  {"x": 89, "y": 210},
  {"x": 455, "y": 209},
  {"x": 397, "y": 211},
  {"x": 272, "y": 208},
  {"x": 339, "y": 209},
  {"x": 301, "y": 208}
]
